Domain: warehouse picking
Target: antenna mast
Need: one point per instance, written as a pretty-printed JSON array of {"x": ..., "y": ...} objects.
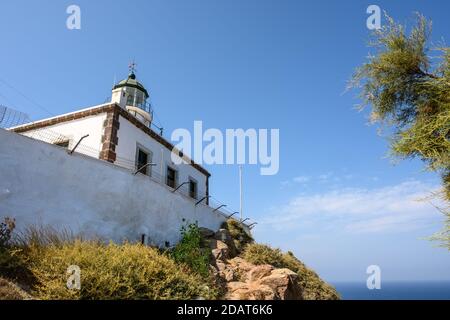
[{"x": 240, "y": 190}]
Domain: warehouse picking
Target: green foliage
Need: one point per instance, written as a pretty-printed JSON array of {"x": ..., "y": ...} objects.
[
  {"x": 410, "y": 94},
  {"x": 126, "y": 271},
  {"x": 190, "y": 250},
  {"x": 443, "y": 236},
  {"x": 405, "y": 93},
  {"x": 7, "y": 227},
  {"x": 314, "y": 288},
  {"x": 263, "y": 254},
  {"x": 240, "y": 237}
]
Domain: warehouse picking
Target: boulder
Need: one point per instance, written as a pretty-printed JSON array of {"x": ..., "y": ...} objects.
[
  {"x": 259, "y": 272},
  {"x": 244, "y": 291},
  {"x": 219, "y": 249},
  {"x": 225, "y": 236},
  {"x": 284, "y": 283},
  {"x": 262, "y": 282},
  {"x": 205, "y": 232},
  {"x": 241, "y": 264}
]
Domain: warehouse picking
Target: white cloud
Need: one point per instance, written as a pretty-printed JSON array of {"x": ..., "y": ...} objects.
[
  {"x": 357, "y": 210},
  {"x": 325, "y": 176},
  {"x": 301, "y": 179}
]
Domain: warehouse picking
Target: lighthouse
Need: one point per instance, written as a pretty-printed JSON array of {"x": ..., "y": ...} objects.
[{"x": 132, "y": 96}]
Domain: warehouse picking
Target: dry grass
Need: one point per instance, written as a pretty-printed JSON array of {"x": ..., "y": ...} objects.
[
  {"x": 126, "y": 271},
  {"x": 108, "y": 271}
]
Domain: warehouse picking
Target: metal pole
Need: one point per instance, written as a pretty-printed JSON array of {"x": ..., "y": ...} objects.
[
  {"x": 221, "y": 206},
  {"x": 180, "y": 186},
  {"x": 240, "y": 191},
  {"x": 162, "y": 161},
  {"x": 145, "y": 165},
  {"x": 76, "y": 146},
  {"x": 232, "y": 214}
]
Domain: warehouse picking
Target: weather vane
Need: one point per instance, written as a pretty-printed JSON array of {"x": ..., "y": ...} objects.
[{"x": 132, "y": 67}]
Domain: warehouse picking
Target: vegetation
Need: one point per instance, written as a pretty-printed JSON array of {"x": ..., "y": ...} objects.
[
  {"x": 409, "y": 91},
  {"x": 240, "y": 237},
  {"x": 11, "y": 262},
  {"x": 10, "y": 291},
  {"x": 39, "y": 258},
  {"x": 443, "y": 236},
  {"x": 314, "y": 287},
  {"x": 126, "y": 271},
  {"x": 7, "y": 226},
  {"x": 108, "y": 271},
  {"x": 190, "y": 250}
]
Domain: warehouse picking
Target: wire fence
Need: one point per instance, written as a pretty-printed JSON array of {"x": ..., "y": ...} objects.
[
  {"x": 48, "y": 136},
  {"x": 154, "y": 173},
  {"x": 11, "y": 118}
]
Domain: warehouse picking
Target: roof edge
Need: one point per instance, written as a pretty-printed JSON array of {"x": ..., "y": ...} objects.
[{"x": 104, "y": 108}]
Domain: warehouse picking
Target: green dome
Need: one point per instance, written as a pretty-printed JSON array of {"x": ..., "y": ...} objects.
[{"x": 133, "y": 83}]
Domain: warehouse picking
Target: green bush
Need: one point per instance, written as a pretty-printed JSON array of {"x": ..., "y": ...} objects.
[
  {"x": 262, "y": 254},
  {"x": 240, "y": 237},
  {"x": 314, "y": 288},
  {"x": 126, "y": 271},
  {"x": 190, "y": 250},
  {"x": 7, "y": 226}
]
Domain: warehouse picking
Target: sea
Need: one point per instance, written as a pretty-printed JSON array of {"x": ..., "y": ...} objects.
[{"x": 395, "y": 290}]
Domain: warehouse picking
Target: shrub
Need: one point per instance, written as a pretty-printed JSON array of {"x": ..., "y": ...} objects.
[
  {"x": 7, "y": 226},
  {"x": 190, "y": 250},
  {"x": 263, "y": 254},
  {"x": 314, "y": 288},
  {"x": 126, "y": 271},
  {"x": 240, "y": 237},
  {"x": 12, "y": 264}
]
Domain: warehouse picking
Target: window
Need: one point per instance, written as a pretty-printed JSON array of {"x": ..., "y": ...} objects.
[
  {"x": 64, "y": 144},
  {"x": 193, "y": 188},
  {"x": 142, "y": 160},
  {"x": 171, "y": 177}
]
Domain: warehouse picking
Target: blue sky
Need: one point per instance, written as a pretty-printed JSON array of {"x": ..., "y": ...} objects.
[{"x": 338, "y": 202}]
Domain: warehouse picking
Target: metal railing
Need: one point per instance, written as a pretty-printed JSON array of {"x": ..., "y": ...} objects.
[{"x": 146, "y": 106}]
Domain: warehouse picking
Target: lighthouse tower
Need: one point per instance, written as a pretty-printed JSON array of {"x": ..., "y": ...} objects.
[{"x": 131, "y": 95}]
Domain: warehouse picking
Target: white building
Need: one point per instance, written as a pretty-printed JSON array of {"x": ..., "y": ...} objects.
[
  {"x": 120, "y": 132},
  {"x": 119, "y": 183}
]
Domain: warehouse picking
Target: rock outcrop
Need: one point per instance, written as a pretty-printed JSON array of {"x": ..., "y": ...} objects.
[
  {"x": 265, "y": 283},
  {"x": 242, "y": 280}
]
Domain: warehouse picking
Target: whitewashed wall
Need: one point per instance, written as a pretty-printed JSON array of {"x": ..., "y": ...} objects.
[
  {"x": 130, "y": 136},
  {"x": 43, "y": 184},
  {"x": 73, "y": 130}
]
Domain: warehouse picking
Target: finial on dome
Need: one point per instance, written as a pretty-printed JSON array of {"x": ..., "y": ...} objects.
[{"x": 132, "y": 68}]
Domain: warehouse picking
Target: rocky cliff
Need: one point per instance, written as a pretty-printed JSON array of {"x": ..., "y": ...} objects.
[{"x": 245, "y": 270}]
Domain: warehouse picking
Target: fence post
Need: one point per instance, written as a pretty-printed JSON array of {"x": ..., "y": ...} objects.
[{"x": 71, "y": 151}]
